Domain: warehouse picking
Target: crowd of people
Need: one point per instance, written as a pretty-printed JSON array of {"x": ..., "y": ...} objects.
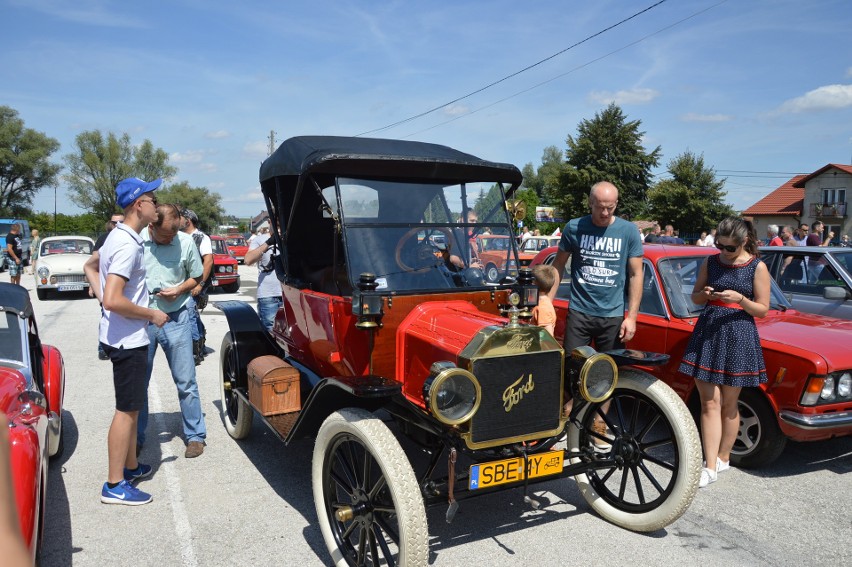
[{"x": 150, "y": 272}]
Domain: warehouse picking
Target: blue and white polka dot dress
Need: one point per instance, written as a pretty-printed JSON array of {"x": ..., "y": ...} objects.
[{"x": 725, "y": 347}]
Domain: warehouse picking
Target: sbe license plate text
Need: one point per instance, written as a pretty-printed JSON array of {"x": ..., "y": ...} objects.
[{"x": 494, "y": 473}]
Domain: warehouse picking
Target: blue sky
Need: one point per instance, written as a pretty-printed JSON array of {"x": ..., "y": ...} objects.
[{"x": 754, "y": 86}]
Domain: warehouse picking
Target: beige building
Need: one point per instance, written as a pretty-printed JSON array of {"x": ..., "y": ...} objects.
[{"x": 821, "y": 195}]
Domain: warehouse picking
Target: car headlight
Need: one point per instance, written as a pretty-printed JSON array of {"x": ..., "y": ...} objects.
[
  {"x": 43, "y": 272},
  {"x": 452, "y": 394},
  {"x": 844, "y": 385},
  {"x": 598, "y": 374},
  {"x": 833, "y": 388},
  {"x": 229, "y": 269}
]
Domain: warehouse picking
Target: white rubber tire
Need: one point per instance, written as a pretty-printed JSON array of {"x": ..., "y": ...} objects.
[
  {"x": 686, "y": 440},
  {"x": 377, "y": 440},
  {"x": 237, "y": 422}
]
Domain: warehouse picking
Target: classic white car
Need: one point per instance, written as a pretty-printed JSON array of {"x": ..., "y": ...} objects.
[{"x": 59, "y": 266}]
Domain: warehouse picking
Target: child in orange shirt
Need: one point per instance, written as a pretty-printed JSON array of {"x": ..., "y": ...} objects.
[{"x": 547, "y": 280}]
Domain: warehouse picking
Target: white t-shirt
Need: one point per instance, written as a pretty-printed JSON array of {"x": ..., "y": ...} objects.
[
  {"x": 121, "y": 255},
  {"x": 709, "y": 240},
  {"x": 267, "y": 282},
  {"x": 206, "y": 246}
]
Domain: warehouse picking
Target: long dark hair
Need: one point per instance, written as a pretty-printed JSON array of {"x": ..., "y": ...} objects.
[{"x": 740, "y": 231}]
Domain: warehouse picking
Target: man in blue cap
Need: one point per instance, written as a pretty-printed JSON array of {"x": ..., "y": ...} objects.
[{"x": 117, "y": 277}]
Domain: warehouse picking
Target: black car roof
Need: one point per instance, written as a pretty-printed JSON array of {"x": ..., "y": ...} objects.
[
  {"x": 375, "y": 157},
  {"x": 16, "y": 299}
]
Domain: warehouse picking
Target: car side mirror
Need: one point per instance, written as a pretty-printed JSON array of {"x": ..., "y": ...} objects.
[{"x": 835, "y": 293}]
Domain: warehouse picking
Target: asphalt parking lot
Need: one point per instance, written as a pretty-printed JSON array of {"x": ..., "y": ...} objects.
[{"x": 250, "y": 502}]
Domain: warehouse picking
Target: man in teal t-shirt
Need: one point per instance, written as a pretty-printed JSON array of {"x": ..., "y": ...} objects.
[
  {"x": 606, "y": 254},
  {"x": 174, "y": 268}
]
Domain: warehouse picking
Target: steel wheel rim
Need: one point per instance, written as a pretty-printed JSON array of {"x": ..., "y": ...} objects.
[
  {"x": 229, "y": 374},
  {"x": 644, "y": 453},
  {"x": 353, "y": 478}
]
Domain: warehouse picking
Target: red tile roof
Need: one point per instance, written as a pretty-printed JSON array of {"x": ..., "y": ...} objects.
[
  {"x": 823, "y": 169},
  {"x": 786, "y": 200}
]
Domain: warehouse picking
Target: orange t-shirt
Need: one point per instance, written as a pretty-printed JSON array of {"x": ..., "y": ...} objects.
[{"x": 544, "y": 314}]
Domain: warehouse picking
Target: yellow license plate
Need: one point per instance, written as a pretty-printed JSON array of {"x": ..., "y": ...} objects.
[{"x": 485, "y": 475}]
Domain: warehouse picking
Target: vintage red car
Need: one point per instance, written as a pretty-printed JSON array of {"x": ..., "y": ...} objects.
[
  {"x": 415, "y": 375},
  {"x": 237, "y": 246},
  {"x": 496, "y": 254},
  {"x": 32, "y": 386},
  {"x": 225, "y": 274},
  {"x": 808, "y": 359}
]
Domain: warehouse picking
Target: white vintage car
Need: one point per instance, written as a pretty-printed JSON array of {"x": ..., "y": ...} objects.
[{"x": 59, "y": 267}]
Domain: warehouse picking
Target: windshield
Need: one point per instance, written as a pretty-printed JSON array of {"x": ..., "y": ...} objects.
[
  {"x": 844, "y": 259},
  {"x": 421, "y": 236},
  {"x": 236, "y": 242},
  {"x": 11, "y": 345},
  {"x": 219, "y": 246},
  {"x": 66, "y": 246},
  {"x": 679, "y": 274},
  {"x": 5, "y": 227}
]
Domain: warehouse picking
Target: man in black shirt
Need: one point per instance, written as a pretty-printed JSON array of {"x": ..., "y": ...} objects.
[{"x": 14, "y": 253}]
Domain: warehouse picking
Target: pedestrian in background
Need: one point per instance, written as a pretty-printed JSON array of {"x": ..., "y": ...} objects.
[
  {"x": 14, "y": 253},
  {"x": 724, "y": 353},
  {"x": 198, "y": 295},
  {"x": 269, "y": 299},
  {"x": 117, "y": 276},
  {"x": 110, "y": 224},
  {"x": 35, "y": 244},
  {"x": 772, "y": 236}
]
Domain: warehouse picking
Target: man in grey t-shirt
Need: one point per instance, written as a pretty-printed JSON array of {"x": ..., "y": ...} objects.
[{"x": 262, "y": 250}]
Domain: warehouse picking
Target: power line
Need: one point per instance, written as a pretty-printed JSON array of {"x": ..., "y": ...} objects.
[
  {"x": 577, "y": 68},
  {"x": 479, "y": 90}
]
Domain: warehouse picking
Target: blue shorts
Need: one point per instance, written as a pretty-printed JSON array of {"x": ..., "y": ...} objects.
[{"x": 14, "y": 268}]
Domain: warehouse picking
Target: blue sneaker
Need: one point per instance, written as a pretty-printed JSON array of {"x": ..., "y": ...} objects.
[
  {"x": 140, "y": 471},
  {"x": 125, "y": 493}
]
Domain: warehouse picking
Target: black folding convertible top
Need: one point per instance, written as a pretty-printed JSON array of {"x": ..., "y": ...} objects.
[
  {"x": 16, "y": 299},
  {"x": 375, "y": 157}
]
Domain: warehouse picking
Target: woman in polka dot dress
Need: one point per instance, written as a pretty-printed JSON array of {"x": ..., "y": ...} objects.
[{"x": 724, "y": 354}]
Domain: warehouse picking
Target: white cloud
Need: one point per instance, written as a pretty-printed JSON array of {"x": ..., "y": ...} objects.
[
  {"x": 192, "y": 156},
  {"x": 456, "y": 110},
  {"x": 822, "y": 98},
  {"x": 256, "y": 149},
  {"x": 693, "y": 117},
  {"x": 632, "y": 96},
  {"x": 217, "y": 135}
]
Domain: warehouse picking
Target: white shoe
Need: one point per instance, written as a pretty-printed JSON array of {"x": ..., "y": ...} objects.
[
  {"x": 708, "y": 476},
  {"x": 721, "y": 465}
]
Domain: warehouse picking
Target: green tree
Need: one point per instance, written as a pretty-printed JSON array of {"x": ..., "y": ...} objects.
[
  {"x": 86, "y": 224},
  {"x": 24, "y": 163},
  {"x": 607, "y": 148},
  {"x": 99, "y": 163},
  {"x": 545, "y": 179},
  {"x": 693, "y": 199},
  {"x": 205, "y": 204}
]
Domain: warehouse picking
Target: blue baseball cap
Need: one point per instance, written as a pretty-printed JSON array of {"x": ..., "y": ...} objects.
[{"x": 130, "y": 189}]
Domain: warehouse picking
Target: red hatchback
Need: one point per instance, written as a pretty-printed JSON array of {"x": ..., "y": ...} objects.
[
  {"x": 238, "y": 246},
  {"x": 808, "y": 360},
  {"x": 225, "y": 275}
]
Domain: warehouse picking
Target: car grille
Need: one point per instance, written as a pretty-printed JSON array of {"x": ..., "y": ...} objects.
[
  {"x": 71, "y": 278},
  {"x": 534, "y": 404}
]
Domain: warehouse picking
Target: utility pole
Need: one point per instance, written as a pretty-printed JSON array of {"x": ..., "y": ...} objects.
[{"x": 271, "y": 147}]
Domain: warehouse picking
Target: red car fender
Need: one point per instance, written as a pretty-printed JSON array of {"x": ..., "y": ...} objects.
[
  {"x": 54, "y": 378},
  {"x": 28, "y": 443}
]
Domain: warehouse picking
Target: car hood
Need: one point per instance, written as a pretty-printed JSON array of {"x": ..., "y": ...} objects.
[
  {"x": 64, "y": 263},
  {"x": 827, "y": 336}
]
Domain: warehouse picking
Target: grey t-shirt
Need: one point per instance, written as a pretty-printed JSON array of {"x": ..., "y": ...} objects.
[
  {"x": 599, "y": 264},
  {"x": 267, "y": 282}
]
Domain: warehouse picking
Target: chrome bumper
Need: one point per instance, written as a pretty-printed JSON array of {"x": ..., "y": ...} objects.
[{"x": 819, "y": 421}]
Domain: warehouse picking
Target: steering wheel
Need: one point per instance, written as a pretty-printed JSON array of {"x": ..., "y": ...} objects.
[{"x": 420, "y": 256}]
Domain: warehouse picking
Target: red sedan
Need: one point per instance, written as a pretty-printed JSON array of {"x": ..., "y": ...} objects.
[
  {"x": 32, "y": 384},
  {"x": 808, "y": 360},
  {"x": 238, "y": 246}
]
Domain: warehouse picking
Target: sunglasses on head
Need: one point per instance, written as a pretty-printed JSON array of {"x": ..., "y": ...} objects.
[{"x": 726, "y": 247}]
